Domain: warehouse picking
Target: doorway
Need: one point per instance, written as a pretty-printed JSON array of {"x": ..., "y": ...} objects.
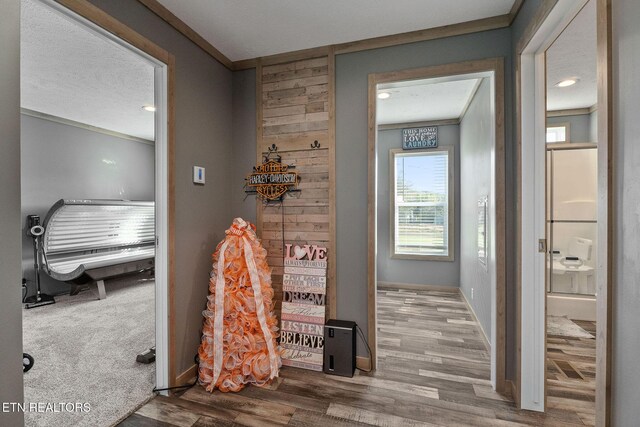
[
  {"x": 415, "y": 222},
  {"x": 564, "y": 279},
  {"x": 154, "y": 70}
]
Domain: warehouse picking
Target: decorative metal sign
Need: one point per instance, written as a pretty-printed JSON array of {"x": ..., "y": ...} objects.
[
  {"x": 272, "y": 179},
  {"x": 416, "y": 138}
]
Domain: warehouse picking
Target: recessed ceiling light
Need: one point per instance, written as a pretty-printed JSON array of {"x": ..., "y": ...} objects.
[
  {"x": 384, "y": 95},
  {"x": 567, "y": 82},
  {"x": 150, "y": 108}
]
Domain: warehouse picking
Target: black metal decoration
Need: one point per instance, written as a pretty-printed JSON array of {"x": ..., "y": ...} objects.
[
  {"x": 315, "y": 145},
  {"x": 273, "y": 150},
  {"x": 271, "y": 180}
]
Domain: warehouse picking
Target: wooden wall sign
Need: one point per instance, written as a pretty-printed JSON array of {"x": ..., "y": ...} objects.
[
  {"x": 416, "y": 138},
  {"x": 272, "y": 179},
  {"x": 295, "y": 107},
  {"x": 303, "y": 306}
]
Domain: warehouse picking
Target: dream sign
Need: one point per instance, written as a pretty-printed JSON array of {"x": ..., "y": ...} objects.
[
  {"x": 416, "y": 138},
  {"x": 304, "y": 287}
]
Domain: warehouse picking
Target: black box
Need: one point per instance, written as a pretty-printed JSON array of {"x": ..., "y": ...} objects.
[{"x": 340, "y": 347}]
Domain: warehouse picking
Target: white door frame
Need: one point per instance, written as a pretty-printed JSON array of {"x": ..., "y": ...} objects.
[
  {"x": 533, "y": 190},
  {"x": 161, "y": 95}
]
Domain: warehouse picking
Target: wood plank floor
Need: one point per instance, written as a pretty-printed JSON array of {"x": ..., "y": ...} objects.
[
  {"x": 433, "y": 371},
  {"x": 571, "y": 372}
]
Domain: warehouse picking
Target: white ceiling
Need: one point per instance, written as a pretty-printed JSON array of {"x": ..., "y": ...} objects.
[
  {"x": 573, "y": 55},
  {"x": 425, "y": 100},
  {"x": 243, "y": 29},
  {"x": 70, "y": 72}
]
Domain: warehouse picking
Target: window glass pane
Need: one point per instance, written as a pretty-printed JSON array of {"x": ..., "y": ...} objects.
[
  {"x": 557, "y": 134},
  {"x": 421, "y": 203}
]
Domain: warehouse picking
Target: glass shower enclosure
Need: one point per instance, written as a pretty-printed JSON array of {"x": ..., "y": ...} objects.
[{"x": 572, "y": 219}]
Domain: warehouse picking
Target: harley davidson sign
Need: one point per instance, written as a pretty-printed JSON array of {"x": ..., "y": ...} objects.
[{"x": 272, "y": 179}]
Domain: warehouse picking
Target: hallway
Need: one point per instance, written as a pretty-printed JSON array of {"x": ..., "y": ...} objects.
[{"x": 433, "y": 370}]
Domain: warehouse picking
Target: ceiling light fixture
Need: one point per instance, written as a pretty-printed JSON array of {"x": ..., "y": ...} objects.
[
  {"x": 567, "y": 82},
  {"x": 384, "y": 95},
  {"x": 150, "y": 108}
]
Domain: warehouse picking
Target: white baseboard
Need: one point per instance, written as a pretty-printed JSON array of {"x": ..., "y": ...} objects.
[{"x": 483, "y": 335}]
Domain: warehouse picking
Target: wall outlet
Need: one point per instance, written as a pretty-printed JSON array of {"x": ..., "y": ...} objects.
[{"x": 471, "y": 293}]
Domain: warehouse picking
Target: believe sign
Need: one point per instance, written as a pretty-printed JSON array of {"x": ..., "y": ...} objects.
[
  {"x": 416, "y": 138},
  {"x": 304, "y": 288}
]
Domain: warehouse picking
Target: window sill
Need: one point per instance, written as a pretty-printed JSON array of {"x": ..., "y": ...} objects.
[{"x": 443, "y": 258}]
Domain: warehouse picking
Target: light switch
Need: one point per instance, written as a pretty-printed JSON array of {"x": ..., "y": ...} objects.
[{"x": 198, "y": 175}]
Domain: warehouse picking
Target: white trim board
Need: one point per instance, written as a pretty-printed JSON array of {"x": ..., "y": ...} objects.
[
  {"x": 483, "y": 334},
  {"x": 533, "y": 149}
]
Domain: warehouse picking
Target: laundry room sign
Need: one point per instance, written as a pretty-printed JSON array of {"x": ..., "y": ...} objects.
[
  {"x": 416, "y": 138},
  {"x": 304, "y": 287}
]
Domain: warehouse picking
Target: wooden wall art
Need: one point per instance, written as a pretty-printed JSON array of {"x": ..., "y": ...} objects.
[
  {"x": 295, "y": 112},
  {"x": 303, "y": 306}
]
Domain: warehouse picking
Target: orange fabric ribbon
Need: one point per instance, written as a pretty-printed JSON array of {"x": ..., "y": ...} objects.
[{"x": 238, "y": 343}]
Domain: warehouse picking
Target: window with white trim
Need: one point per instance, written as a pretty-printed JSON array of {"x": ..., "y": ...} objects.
[{"x": 422, "y": 204}]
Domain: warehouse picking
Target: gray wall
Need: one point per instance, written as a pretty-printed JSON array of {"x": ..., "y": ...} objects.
[
  {"x": 203, "y": 129},
  {"x": 626, "y": 315},
  {"x": 244, "y": 142},
  {"x": 439, "y": 273},
  {"x": 10, "y": 310},
  {"x": 352, "y": 72},
  {"x": 60, "y": 161},
  {"x": 476, "y": 147},
  {"x": 580, "y": 126}
]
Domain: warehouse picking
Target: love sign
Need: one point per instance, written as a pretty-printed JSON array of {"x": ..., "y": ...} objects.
[
  {"x": 310, "y": 252},
  {"x": 303, "y": 307}
]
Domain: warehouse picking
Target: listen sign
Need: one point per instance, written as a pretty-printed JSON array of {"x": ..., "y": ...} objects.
[{"x": 415, "y": 138}]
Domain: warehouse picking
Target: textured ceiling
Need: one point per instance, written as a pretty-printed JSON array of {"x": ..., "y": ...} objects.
[
  {"x": 573, "y": 55},
  {"x": 69, "y": 72},
  {"x": 243, "y": 29},
  {"x": 425, "y": 100}
]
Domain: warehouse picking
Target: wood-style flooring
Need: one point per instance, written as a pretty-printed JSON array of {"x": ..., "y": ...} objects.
[
  {"x": 571, "y": 372},
  {"x": 433, "y": 371}
]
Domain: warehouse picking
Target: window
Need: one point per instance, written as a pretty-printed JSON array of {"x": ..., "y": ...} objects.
[
  {"x": 422, "y": 204},
  {"x": 558, "y": 133}
]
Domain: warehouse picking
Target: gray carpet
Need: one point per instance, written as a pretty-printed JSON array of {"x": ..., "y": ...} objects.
[
  {"x": 564, "y": 327},
  {"x": 85, "y": 351}
]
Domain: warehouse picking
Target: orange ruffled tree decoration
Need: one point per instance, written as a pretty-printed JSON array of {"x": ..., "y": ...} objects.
[{"x": 239, "y": 333}]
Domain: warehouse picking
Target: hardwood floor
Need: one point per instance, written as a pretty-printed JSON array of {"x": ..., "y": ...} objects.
[
  {"x": 433, "y": 371},
  {"x": 571, "y": 372}
]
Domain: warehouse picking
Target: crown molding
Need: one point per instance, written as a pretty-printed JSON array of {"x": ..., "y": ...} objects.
[
  {"x": 485, "y": 24},
  {"x": 171, "y": 19}
]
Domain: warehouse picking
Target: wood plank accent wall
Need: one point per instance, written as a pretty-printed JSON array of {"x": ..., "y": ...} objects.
[{"x": 295, "y": 108}]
